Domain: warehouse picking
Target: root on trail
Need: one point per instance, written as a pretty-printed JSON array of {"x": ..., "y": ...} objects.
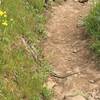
[{"x": 53, "y": 74}]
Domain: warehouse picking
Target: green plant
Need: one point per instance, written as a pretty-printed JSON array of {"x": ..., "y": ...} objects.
[
  {"x": 22, "y": 68},
  {"x": 46, "y": 93},
  {"x": 92, "y": 23}
]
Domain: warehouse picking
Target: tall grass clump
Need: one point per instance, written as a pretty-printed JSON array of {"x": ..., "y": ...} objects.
[
  {"x": 22, "y": 68},
  {"x": 92, "y": 23}
]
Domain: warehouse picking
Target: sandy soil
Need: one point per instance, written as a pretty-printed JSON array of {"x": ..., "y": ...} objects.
[{"x": 66, "y": 49}]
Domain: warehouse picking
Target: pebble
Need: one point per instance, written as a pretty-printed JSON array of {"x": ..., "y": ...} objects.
[
  {"x": 75, "y": 51},
  {"x": 82, "y": 1}
]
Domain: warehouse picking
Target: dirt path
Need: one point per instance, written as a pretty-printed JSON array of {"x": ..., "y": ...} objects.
[{"x": 66, "y": 48}]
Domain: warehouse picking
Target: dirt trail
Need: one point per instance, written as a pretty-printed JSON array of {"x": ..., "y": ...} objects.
[{"x": 66, "y": 48}]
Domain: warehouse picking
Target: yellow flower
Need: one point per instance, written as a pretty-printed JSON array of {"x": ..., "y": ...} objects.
[
  {"x": 5, "y": 12},
  {"x": 1, "y": 13},
  {"x": 11, "y": 19},
  {"x": 5, "y": 23},
  {"x": 5, "y": 15}
]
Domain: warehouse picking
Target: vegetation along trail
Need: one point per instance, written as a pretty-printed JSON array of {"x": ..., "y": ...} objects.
[{"x": 75, "y": 75}]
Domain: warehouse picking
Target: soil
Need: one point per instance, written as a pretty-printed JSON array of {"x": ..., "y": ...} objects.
[{"x": 67, "y": 50}]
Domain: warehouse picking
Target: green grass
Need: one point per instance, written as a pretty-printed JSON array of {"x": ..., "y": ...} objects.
[
  {"x": 92, "y": 23},
  {"x": 22, "y": 68}
]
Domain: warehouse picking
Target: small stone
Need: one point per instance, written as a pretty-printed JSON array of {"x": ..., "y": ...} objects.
[
  {"x": 82, "y": 1},
  {"x": 76, "y": 0},
  {"x": 91, "y": 81},
  {"x": 76, "y": 75},
  {"x": 75, "y": 51}
]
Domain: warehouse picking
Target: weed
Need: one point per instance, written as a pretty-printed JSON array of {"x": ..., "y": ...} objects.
[
  {"x": 21, "y": 76},
  {"x": 92, "y": 23}
]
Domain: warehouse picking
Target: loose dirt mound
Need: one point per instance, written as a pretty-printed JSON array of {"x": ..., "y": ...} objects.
[{"x": 66, "y": 48}]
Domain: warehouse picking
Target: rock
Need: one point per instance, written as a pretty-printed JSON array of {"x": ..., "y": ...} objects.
[
  {"x": 82, "y": 1},
  {"x": 75, "y": 51},
  {"x": 95, "y": 94},
  {"x": 92, "y": 81},
  {"x": 76, "y": 0}
]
